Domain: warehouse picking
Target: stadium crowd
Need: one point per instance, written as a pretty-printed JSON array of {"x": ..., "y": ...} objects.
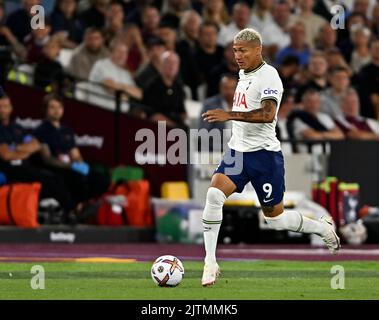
[{"x": 158, "y": 53}]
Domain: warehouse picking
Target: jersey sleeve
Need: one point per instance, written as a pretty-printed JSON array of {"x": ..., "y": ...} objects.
[{"x": 271, "y": 86}]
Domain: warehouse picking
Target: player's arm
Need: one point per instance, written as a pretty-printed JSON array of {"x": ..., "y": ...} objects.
[
  {"x": 265, "y": 114},
  {"x": 30, "y": 146},
  {"x": 76, "y": 155}
]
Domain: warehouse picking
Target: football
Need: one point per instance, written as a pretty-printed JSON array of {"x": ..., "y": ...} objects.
[{"x": 167, "y": 271}]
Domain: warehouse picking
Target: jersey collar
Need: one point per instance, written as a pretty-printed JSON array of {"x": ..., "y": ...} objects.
[{"x": 256, "y": 69}]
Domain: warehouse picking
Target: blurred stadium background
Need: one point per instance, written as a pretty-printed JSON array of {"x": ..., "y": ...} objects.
[{"x": 120, "y": 66}]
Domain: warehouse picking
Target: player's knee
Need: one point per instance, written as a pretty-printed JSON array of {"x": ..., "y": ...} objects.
[{"x": 215, "y": 197}]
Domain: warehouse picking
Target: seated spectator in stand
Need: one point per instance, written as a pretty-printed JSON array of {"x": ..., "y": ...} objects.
[
  {"x": 240, "y": 20},
  {"x": 150, "y": 22},
  {"x": 19, "y": 22},
  {"x": 310, "y": 123},
  {"x": 316, "y": 77},
  {"x": 368, "y": 84},
  {"x": 114, "y": 22},
  {"x": 335, "y": 59},
  {"x": 261, "y": 16},
  {"x": 16, "y": 150},
  {"x": 287, "y": 105},
  {"x": 87, "y": 54},
  {"x": 165, "y": 96},
  {"x": 312, "y": 21},
  {"x": 137, "y": 55},
  {"x": 94, "y": 16},
  {"x": 227, "y": 65},
  {"x": 375, "y": 20},
  {"x": 62, "y": 157},
  {"x": 352, "y": 124},
  {"x": 110, "y": 72},
  {"x": 223, "y": 100},
  {"x": 150, "y": 71},
  {"x": 65, "y": 19},
  {"x": 208, "y": 53},
  {"x": 190, "y": 24},
  {"x": 332, "y": 96},
  {"x": 276, "y": 34},
  {"x": 288, "y": 72},
  {"x": 361, "y": 55},
  {"x": 172, "y": 10},
  {"x": 298, "y": 46},
  {"x": 215, "y": 11},
  {"x": 49, "y": 74},
  {"x": 35, "y": 41},
  {"x": 8, "y": 44},
  {"x": 326, "y": 38}
]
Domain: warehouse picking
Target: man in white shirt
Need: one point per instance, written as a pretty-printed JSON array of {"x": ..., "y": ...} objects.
[
  {"x": 241, "y": 20},
  {"x": 255, "y": 154},
  {"x": 109, "y": 76}
]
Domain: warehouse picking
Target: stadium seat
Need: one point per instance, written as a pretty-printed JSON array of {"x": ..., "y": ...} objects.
[
  {"x": 177, "y": 190},
  {"x": 126, "y": 173}
]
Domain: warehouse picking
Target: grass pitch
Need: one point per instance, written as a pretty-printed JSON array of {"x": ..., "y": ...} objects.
[{"x": 255, "y": 280}]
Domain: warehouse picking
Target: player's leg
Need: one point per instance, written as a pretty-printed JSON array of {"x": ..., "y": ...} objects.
[
  {"x": 293, "y": 220},
  {"x": 223, "y": 184},
  {"x": 269, "y": 185}
]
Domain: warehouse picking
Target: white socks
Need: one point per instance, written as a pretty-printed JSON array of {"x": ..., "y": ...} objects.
[
  {"x": 295, "y": 221},
  {"x": 212, "y": 218}
]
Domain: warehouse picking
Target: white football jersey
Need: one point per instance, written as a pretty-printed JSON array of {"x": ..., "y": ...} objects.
[{"x": 260, "y": 84}]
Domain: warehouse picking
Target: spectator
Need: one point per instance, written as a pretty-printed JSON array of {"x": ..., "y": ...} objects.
[
  {"x": 287, "y": 105},
  {"x": 317, "y": 75},
  {"x": 289, "y": 74},
  {"x": 297, "y": 47},
  {"x": 95, "y": 15},
  {"x": 331, "y": 97},
  {"x": 49, "y": 74},
  {"x": 208, "y": 53},
  {"x": 326, "y": 38},
  {"x": 65, "y": 19},
  {"x": 310, "y": 123},
  {"x": 137, "y": 56},
  {"x": 223, "y": 100},
  {"x": 261, "y": 16},
  {"x": 165, "y": 96},
  {"x": 216, "y": 12},
  {"x": 311, "y": 21},
  {"x": 110, "y": 72},
  {"x": 114, "y": 22},
  {"x": 352, "y": 124},
  {"x": 150, "y": 71},
  {"x": 188, "y": 70},
  {"x": 189, "y": 29},
  {"x": 227, "y": 65},
  {"x": 172, "y": 11},
  {"x": 20, "y": 21},
  {"x": 150, "y": 22},
  {"x": 361, "y": 54},
  {"x": 375, "y": 20},
  {"x": 16, "y": 150},
  {"x": 336, "y": 60},
  {"x": 87, "y": 54},
  {"x": 276, "y": 34},
  {"x": 369, "y": 83},
  {"x": 35, "y": 41},
  {"x": 62, "y": 157},
  {"x": 240, "y": 20}
]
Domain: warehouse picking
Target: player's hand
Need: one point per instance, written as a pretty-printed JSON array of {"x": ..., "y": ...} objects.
[{"x": 216, "y": 115}]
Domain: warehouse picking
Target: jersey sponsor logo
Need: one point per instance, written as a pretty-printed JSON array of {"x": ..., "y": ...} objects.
[
  {"x": 270, "y": 91},
  {"x": 239, "y": 100}
]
